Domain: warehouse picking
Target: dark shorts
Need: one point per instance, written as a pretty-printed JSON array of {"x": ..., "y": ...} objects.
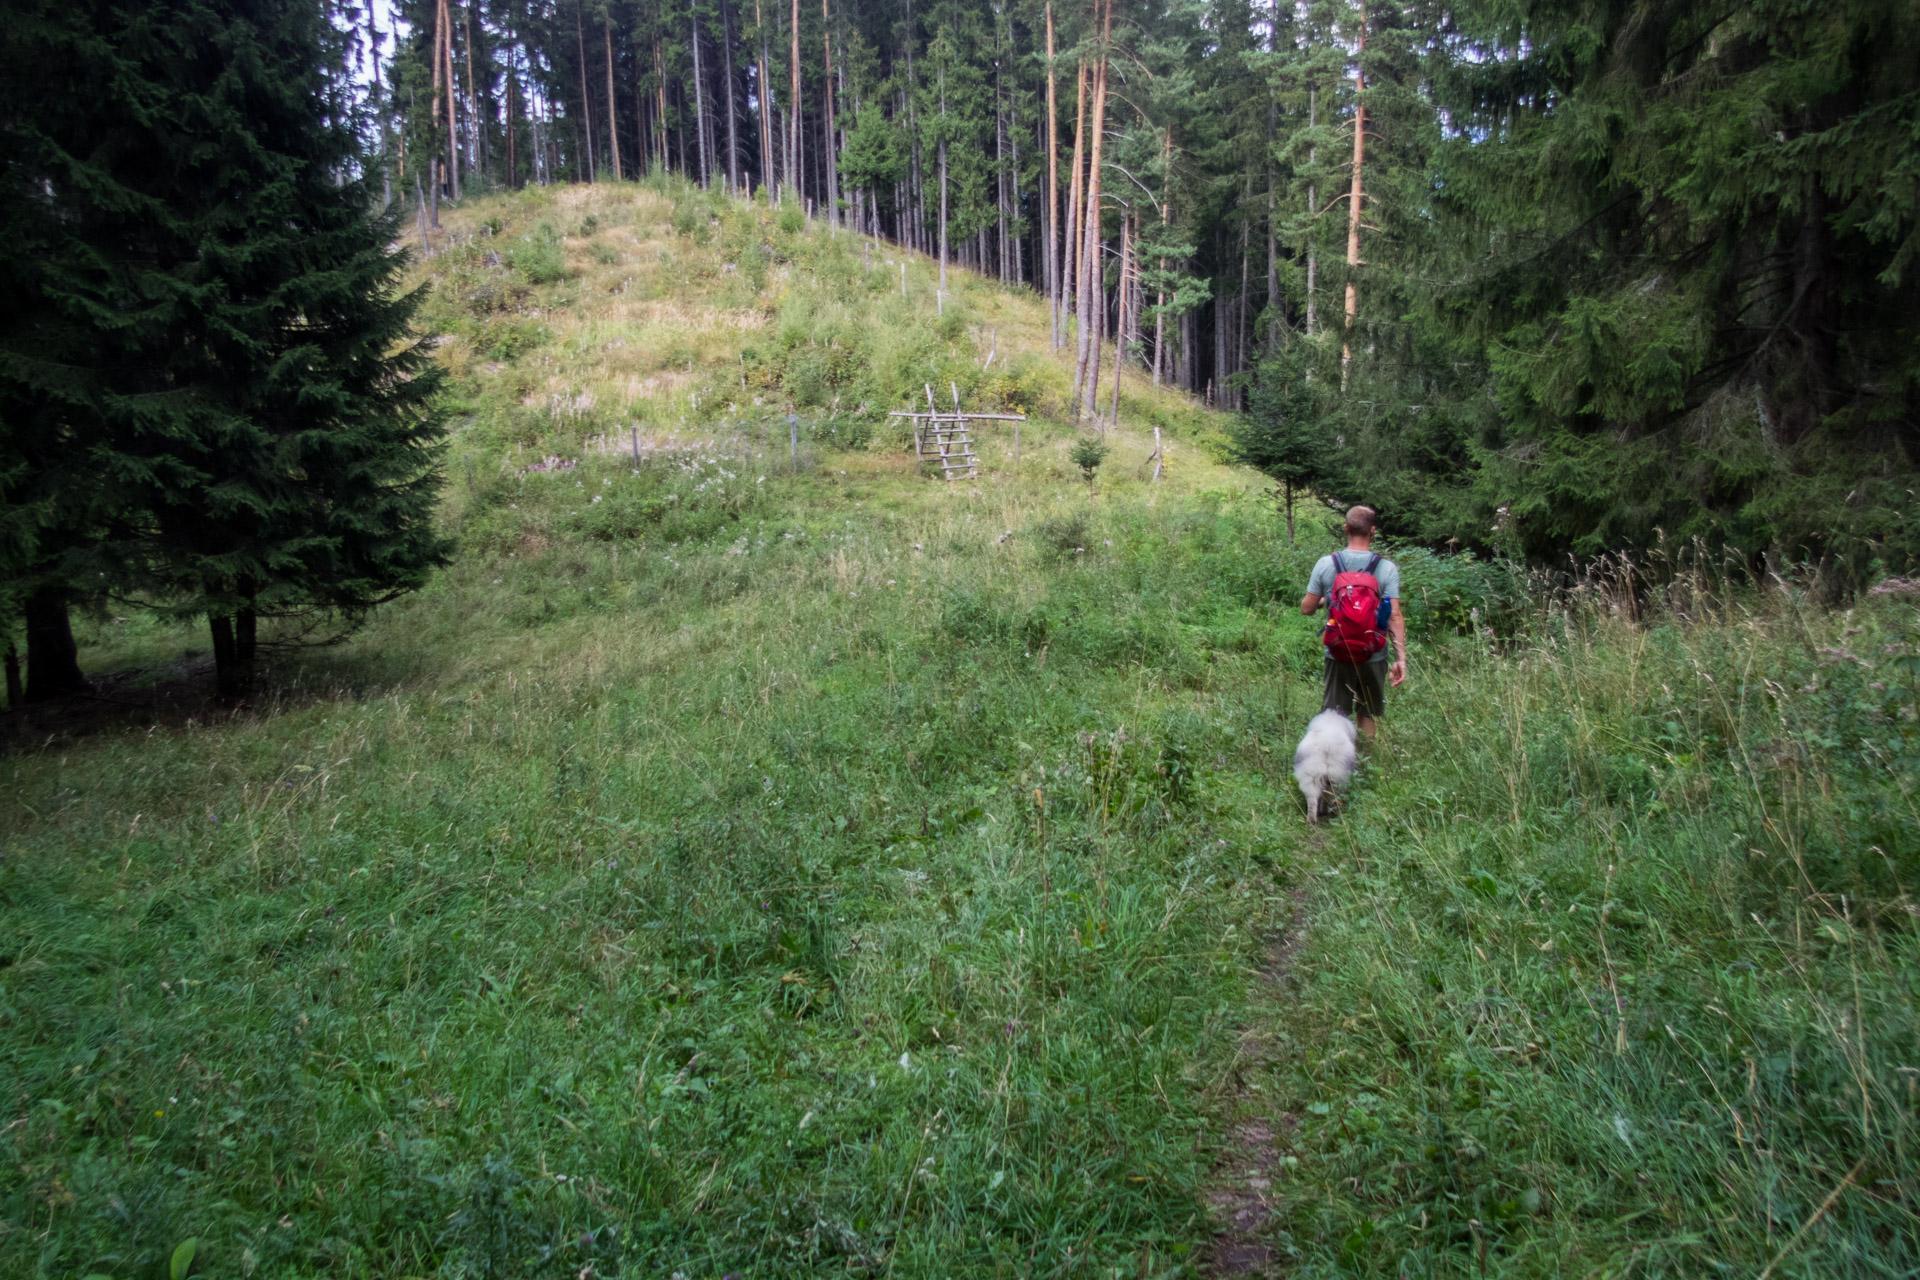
[{"x": 1356, "y": 690}]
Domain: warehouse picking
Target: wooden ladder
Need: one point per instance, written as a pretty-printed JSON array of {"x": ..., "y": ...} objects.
[
  {"x": 948, "y": 437},
  {"x": 950, "y": 440}
]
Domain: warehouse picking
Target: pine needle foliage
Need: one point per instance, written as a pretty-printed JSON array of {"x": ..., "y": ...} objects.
[{"x": 253, "y": 403}]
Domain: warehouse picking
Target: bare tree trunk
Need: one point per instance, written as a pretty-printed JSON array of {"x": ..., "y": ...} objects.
[
  {"x": 586, "y": 102},
  {"x": 1354, "y": 200},
  {"x": 660, "y": 117},
  {"x": 1313, "y": 202},
  {"x": 513, "y": 162},
  {"x": 1013, "y": 187},
  {"x": 1000, "y": 156},
  {"x": 1120, "y": 310},
  {"x": 943, "y": 188},
  {"x": 832, "y": 161},
  {"x": 726, "y": 66},
  {"x": 476, "y": 135},
  {"x": 1050, "y": 257},
  {"x": 699, "y": 100},
  {"x": 1240, "y": 328},
  {"x": 1070, "y": 246},
  {"x": 613, "y": 127},
  {"x": 53, "y": 660},
  {"x": 764, "y": 92},
  {"x": 434, "y": 106},
  {"x": 453, "y": 125},
  {"x": 1159, "y": 330},
  {"x": 794, "y": 158},
  {"x": 1092, "y": 312}
]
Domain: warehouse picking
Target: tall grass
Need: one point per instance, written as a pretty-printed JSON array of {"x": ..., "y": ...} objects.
[
  {"x": 1612, "y": 970},
  {"x": 826, "y": 870}
]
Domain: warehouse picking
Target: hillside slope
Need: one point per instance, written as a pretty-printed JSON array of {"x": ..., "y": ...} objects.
[{"x": 735, "y": 866}]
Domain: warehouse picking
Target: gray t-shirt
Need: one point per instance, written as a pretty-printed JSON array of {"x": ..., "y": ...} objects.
[{"x": 1321, "y": 583}]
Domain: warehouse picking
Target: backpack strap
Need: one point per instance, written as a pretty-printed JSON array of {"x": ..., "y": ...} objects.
[{"x": 1374, "y": 563}]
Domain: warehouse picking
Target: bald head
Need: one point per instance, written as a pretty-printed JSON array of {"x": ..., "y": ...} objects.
[{"x": 1361, "y": 522}]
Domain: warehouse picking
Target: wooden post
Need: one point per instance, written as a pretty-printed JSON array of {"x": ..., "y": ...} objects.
[
  {"x": 636, "y": 444},
  {"x": 1159, "y": 457},
  {"x": 1016, "y": 444},
  {"x": 793, "y": 439}
]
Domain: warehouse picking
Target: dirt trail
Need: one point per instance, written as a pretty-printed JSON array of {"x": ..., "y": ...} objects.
[{"x": 1241, "y": 1194}]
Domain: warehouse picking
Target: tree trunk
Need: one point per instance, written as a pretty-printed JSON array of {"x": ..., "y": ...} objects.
[
  {"x": 613, "y": 127},
  {"x": 699, "y": 99},
  {"x": 1000, "y": 159},
  {"x": 453, "y": 125},
  {"x": 435, "y": 103},
  {"x": 513, "y": 163},
  {"x": 16, "y": 693},
  {"x": 229, "y": 683},
  {"x": 586, "y": 102},
  {"x": 1120, "y": 313},
  {"x": 1050, "y": 258},
  {"x": 53, "y": 660},
  {"x": 1093, "y": 320},
  {"x": 1353, "y": 200},
  {"x": 832, "y": 161},
  {"x": 1019, "y": 267},
  {"x": 793, "y": 117},
  {"x": 1070, "y": 245},
  {"x": 1159, "y": 330},
  {"x": 660, "y": 117},
  {"x": 726, "y": 63},
  {"x": 476, "y": 137},
  {"x": 763, "y": 96},
  {"x": 943, "y": 206},
  {"x": 1313, "y": 202}
]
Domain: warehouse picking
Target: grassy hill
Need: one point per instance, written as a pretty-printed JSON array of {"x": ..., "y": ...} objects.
[{"x": 759, "y": 860}]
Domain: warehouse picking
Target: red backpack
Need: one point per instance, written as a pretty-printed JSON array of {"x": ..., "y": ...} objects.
[{"x": 1353, "y": 632}]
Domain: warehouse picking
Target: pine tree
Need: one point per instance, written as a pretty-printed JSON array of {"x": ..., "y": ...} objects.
[
  {"x": 1691, "y": 234},
  {"x": 255, "y": 407}
]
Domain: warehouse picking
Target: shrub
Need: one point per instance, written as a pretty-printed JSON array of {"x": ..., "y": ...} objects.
[
  {"x": 538, "y": 257},
  {"x": 1061, "y": 537}
]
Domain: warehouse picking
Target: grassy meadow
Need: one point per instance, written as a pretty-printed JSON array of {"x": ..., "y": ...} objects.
[{"x": 761, "y": 858}]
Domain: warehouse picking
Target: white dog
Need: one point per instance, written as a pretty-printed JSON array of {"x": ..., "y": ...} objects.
[{"x": 1324, "y": 759}]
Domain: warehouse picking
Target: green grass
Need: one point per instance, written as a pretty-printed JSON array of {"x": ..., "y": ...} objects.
[
  {"x": 800, "y": 875},
  {"x": 1613, "y": 971}
]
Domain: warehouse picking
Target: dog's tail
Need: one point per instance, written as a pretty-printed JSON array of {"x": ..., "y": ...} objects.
[{"x": 1310, "y": 787}]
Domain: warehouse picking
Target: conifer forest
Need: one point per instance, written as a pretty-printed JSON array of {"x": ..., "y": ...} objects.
[{"x": 666, "y": 638}]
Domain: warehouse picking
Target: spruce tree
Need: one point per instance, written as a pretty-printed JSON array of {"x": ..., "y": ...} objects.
[
  {"x": 1685, "y": 235},
  {"x": 254, "y": 406}
]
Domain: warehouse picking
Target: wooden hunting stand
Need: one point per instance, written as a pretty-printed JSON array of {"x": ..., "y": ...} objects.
[{"x": 948, "y": 437}]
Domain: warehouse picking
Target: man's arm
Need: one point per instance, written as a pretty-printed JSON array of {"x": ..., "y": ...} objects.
[
  {"x": 1310, "y": 604},
  {"x": 1398, "y": 625}
]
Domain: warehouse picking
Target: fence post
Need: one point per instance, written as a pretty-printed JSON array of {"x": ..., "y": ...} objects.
[{"x": 793, "y": 439}]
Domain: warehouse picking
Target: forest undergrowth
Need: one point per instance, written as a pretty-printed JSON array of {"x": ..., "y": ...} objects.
[{"x": 754, "y": 856}]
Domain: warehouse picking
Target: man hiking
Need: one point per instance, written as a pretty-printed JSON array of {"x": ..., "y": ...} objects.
[{"x": 1362, "y": 592}]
